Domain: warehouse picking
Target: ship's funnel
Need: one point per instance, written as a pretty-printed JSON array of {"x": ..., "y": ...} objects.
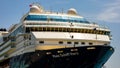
[{"x": 35, "y": 8}]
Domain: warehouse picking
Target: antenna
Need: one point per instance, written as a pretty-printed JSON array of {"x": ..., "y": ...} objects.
[
  {"x": 62, "y": 10},
  {"x": 51, "y": 9}
]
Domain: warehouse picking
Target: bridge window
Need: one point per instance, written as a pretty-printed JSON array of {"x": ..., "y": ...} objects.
[{"x": 56, "y": 18}]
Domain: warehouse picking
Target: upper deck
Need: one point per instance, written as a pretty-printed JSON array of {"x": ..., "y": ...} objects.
[
  {"x": 56, "y": 18},
  {"x": 37, "y": 19}
]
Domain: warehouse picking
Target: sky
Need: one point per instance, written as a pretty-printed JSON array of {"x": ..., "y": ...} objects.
[{"x": 103, "y": 12}]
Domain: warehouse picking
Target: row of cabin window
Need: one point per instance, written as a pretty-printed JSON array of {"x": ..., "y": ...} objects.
[
  {"x": 68, "y": 30},
  {"x": 61, "y": 42}
]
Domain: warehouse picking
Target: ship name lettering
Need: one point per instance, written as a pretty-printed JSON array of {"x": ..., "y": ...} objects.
[{"x": 65, "y": 54}]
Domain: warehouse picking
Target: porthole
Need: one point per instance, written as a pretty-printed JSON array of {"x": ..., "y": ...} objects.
[
  {"x": 90, "y": 43},
  {"x": 69, "y": 42},
  {"x": 105, "y": 44},
  {"x": 60, "y": 42},
  {"x": 76, "y": 42},
  {"x": 83, "y": 43},
  {"x": 41, "y": 42}
]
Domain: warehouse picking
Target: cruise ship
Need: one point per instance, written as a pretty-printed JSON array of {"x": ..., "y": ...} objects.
[{"x": 47, "y": 39}]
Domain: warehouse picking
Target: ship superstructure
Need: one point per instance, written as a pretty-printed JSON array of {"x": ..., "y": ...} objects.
[{"x": 55, "y": 40}]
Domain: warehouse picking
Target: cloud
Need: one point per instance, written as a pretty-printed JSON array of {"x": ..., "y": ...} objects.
[{"x": 111, "y": 12}]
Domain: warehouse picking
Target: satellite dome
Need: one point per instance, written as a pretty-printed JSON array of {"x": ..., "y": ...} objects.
[
  {"x": 72, "y": 11},
  {"x": 35, "y": 8}
]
